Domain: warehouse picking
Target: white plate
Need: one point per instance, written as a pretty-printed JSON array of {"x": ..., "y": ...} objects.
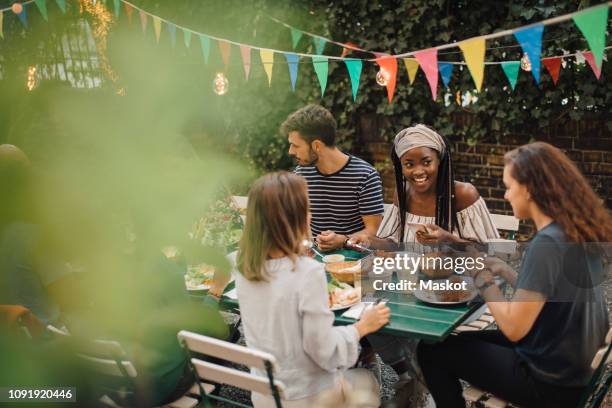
[
  {"x": 341, "y": 307},
  {"x": 430, "y": 296}
]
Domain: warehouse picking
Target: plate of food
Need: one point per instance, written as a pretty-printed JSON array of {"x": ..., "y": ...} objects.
[
  {"x": 199, "y": 277},
  {"x": 342, "y": 295},
  {"x": 345, "y": 271},
  {"x": 439, "y": 292}
]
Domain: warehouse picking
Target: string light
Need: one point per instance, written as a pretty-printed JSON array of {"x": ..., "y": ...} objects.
[
  {"x": 31, "y": 84},
  {"x": 17, "y": 8},
  {"x": 525, "y": 63},
  {"x": 220, "y": 84},
  {"x": 382, "y": 77}
]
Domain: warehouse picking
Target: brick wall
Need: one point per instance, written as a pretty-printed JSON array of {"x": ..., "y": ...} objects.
[{"x": 588, "y": 144}]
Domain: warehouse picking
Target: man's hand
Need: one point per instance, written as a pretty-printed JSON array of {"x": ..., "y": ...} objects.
[{"x": 328, "y": 240}]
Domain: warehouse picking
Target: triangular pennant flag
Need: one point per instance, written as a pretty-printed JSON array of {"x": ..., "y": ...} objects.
[
  {"x": 205, "y": 44},
  {"x": 474, "y": 53},
  {"x": 321, "y": 68},
  {"x": 446, "y": 71},
  {"x": 157, "y": 27},
  {"x": 292, "y": 61},
  {"x": 346, "y": 50},
  {"x": 267, "y": 59},
  {"x": 143, "y": 20},
  {"x": 319, "y": 44},
  {"x": 117, "y": 8},
  {"x": 42, "y": 7},
  {"x": 511, "y": 69},
  {"x": 593, "y": 23},
  {"x": 428, "y": 60},
  {"x": 389, "y": 66},
  {"x": 129, "y": 10},
  {"x": 62, "y": 5},
  {"x": 172, "y": 31},
  {"x": 2, "y": 25},
  {"x": 354, "y": 67},
  {"x": 295, "y": 37},
  {"x": 187, "y": 37},
  {"x": 412, "y": 66},
  {"x": 553, "y": 65},
  {"x": 588, "y": 55},
  {"x": 531, "y": 42},
  {"x": 23, "y": 16},
  {"x": 246, "y": 59},
  {"x": 225, "y": 49}
]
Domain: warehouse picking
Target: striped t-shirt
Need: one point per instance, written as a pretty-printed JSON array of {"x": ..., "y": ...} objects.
[{"x": 339, "y": 200}]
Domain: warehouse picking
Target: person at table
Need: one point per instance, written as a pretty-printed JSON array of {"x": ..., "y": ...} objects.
[
  {"x": 549, "y": 333},
  {"x": 428, "y": 194},
  {"x": 345, "y": 191},
  {"x": 284, "y": 301}
]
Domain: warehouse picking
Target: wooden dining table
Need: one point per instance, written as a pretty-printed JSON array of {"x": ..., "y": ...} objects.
[{"x": 410, "y": 317}]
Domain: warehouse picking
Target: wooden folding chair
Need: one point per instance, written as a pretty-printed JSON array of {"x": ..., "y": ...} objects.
[
  {"x": 221, "y": 374},
  {"x": 593, "y": 395}
]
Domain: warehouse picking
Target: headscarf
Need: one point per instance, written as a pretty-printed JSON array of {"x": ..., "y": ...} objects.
[{"x": 418, "y": 136}]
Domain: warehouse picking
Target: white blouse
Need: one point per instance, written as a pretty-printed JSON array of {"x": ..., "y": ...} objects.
[{"x": 474, "y": 223}]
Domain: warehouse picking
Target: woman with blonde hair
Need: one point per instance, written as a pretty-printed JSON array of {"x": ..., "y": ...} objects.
[
  {"x": 284, "y": 302},
  {"x": 557, "y": 319}
]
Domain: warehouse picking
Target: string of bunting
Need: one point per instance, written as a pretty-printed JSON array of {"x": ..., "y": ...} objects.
[{"x": 591, "y": 22}]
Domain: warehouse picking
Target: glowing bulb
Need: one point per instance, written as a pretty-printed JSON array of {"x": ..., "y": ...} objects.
[
  {"x": 220, "y": 84},
  {"x": 31, "y": 78},
  {"x": 382, "y": 77},
  {"x": 525, "y": 63},
  {"x": 17, "y": 8}
]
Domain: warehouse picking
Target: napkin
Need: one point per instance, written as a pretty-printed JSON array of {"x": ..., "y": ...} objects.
[{"x": 356, "y": 310}]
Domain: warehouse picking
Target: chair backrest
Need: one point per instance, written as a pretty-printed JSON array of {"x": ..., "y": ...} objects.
[
  {"x": 505, "y": 222},
  {"x": 240, "y": 202},
  {"x": 234, "y": 353},
  {"x": 107, "y": 357},
  {"x": 603, "y": 356}
]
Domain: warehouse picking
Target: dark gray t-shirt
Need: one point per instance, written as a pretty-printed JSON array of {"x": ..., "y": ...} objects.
[{"x": 572, "y": 325}]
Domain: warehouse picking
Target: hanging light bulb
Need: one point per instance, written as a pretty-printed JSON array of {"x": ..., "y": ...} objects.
[
  {"x": 220, "y": 84},
  {"x": 525, "y": 63},
  {"x": 382, "y": 77},
  {"x": 31, "y": 84},
  {"x": 17, "y": 8}
]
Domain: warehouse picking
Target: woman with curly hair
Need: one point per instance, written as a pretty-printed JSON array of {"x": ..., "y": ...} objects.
[{"x": 549, "y": 332}]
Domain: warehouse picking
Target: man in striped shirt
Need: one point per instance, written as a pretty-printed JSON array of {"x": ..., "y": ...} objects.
[{"x": 345, "y": 192}]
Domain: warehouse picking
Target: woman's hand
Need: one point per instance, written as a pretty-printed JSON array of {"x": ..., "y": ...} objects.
[
  {"x": 434, "y": 235},
  {"x": 373, "y": 319},
  {"x": 501, "y": 269}
]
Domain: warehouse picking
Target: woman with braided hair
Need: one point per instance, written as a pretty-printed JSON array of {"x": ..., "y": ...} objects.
[{"x": 428, "y": 194}]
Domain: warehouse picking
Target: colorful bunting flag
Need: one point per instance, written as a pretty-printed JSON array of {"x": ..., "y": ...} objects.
[
  {"x": 129, "y": 10},
  {"x": 292, "y": 61},
  {"x": 428, "y": 60},
  {"x": 225, "y": 49},
  {"x": 531, "y": 43},
  {"x": 157, "y": 27},
  {"x": 2, "y": 25},
  {"x": 246, "y": 60},
  {"x": 389, "y": 66},
  {"x": 511, "y": 69},
  {"x": 143, "y": 21},
  {"x": 172, "y": 32},
  {"x": 187, "y": 37},
  {"x": 23, "y": 16},
  {"x": 42, "y": 7},
  {"x": 117, "y": 8},
  {"x": 62, "y": 5},
  {"x": 319, "y": 45},
  {"x": 295, "y": 37},
  {"x": 474, "y": 53},
  {"x": 267, "y": 59},
  {"x": 354, "y": 67},
  {"x": 321, "y": 68},
  {"x": 593, "y": 23},
  {"x": 588, "y": 56},
  {"x": 446, "y": 71},
  {"x": 553, "y": 65},
  {"x": 412, "y": 66},
  {"x": 205, "y": 44}
]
